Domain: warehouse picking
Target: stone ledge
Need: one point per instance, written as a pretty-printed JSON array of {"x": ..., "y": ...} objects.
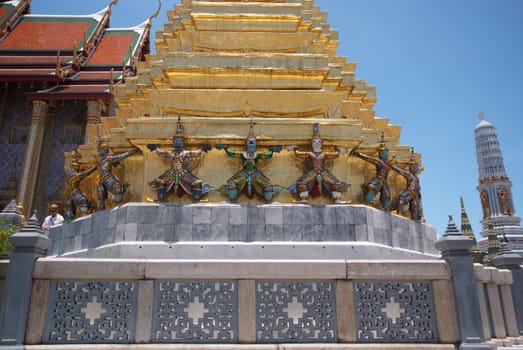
[
  {"x": 316, "y": 346},
  {"x": 64, "y": 268}
]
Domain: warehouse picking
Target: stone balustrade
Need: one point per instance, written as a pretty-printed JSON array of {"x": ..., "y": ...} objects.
[{"x": 235, "y": 302}]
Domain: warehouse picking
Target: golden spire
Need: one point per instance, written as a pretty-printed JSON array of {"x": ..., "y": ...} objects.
[
  {"x": 466, "y": 229},
  {"x": 493, "y": 243}
]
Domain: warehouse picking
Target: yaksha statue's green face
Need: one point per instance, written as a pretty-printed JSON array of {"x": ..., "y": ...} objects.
[
  {"x": 178, "y": 143},
  {"x": 316, "y": 144},
  {"x": 250, "y": 144}
]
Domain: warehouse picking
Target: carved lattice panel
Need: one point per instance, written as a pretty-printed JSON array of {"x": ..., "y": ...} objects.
[
  {"x": 397, "y": 312},
  {"x": 91, "y": 312},
  {"x": 195, "y": 312},
  {"x": 295, "y": 311}
]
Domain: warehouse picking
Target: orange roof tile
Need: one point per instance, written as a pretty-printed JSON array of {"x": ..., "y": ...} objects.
[
  {"x": 49, "y": 33},
  {"x": 114, "y": 48},
  {"x": 5, "y": 10}
]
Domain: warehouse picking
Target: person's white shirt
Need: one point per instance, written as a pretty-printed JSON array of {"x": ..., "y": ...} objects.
[{"x": 51, "y": 221}]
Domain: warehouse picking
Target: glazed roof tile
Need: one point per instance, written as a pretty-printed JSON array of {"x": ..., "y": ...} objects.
[
  {"x": 5, "y": 10},
  {"x": 47, "y": 33},
  {"x": 115, "y": 48}
]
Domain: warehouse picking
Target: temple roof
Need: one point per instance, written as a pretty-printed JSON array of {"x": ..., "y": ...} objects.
[
  {"x": 10, "y": 11},
  {"x": 50, "y": 33},
  {"x": 118, "y": 46},
  {"x": 78, "y": 53}
]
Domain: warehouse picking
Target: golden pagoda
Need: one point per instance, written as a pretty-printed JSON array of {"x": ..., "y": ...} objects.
[{"x": 221, "y": 65}]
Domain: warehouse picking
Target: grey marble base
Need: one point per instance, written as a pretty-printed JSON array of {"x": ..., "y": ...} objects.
[{"x": 208, "y": 223}]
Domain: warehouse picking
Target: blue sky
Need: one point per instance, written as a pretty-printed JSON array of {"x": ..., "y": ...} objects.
[{"x": 436, "y": 64}]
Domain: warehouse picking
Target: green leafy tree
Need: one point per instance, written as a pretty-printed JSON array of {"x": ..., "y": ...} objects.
[{"x": 5, "y": 245}]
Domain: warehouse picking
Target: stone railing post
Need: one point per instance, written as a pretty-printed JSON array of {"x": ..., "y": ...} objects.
[
  {"x": 512, "y": 261},
  {"x": 29, "y": 244},
  {"x": 454, "y": 247}
]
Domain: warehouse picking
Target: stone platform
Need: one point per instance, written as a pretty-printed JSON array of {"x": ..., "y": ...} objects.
[{"x": 244, "y": 231}]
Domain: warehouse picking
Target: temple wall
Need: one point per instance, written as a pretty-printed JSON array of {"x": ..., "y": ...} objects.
[
  {"x": 141, "y": 223},
  {"x": 68, "y": 114},
  {"x": 16, "y": 112}
]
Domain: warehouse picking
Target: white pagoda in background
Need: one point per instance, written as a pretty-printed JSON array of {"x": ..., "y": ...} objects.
[{"x": 495, "y": 189}]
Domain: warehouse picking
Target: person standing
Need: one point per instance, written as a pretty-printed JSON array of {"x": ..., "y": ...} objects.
[{"x": 53, "y": 220}]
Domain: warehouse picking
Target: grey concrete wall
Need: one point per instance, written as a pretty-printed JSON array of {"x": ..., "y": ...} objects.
[{"x": 206, "y": 222}]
